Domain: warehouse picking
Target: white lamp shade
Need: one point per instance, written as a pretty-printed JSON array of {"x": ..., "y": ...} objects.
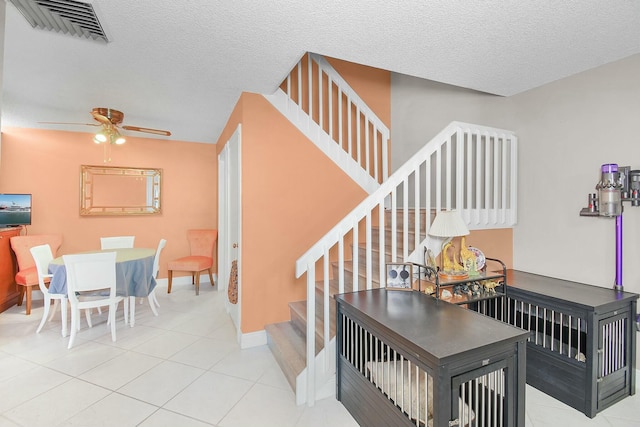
[{"x": 448, "y": 224}]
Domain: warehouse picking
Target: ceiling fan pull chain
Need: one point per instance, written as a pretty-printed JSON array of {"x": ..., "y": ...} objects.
[{"x": 107, "y": 152}]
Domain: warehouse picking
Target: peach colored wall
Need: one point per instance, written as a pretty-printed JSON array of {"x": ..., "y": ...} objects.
[
  {"x": 373, "y": 85},
  {"x": 234, "y": 120},
  {"x": 47, "y": 164},
  {"x": 291, "y": 195},
  {"x": 496, "y": 243}
]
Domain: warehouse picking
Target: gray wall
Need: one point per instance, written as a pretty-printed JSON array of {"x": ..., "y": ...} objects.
[
  {"x": 566, "y": 130},
  {"x": 422, "y": 108}
]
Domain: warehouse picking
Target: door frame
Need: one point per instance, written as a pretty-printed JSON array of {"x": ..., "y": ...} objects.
[{"x": 227, "y": 251}]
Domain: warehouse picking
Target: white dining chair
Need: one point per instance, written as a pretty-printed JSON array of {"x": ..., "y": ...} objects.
[
  {"x": 42, "y": 256},
  {"x": 92, "y": 274},
  {"x": 117, "y": 242},
  {"x": 153, "y": 300}
]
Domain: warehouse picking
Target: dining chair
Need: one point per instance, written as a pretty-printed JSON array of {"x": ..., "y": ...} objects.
[
  {"x": 27, "y": 276},
  {"x": 42, "y": 256},
  {"x": 117, "y": 242},
  {"x": 91, "y": 283},
  {"x": 200, "y": 258},
  {"x": 153, "y": 301}
]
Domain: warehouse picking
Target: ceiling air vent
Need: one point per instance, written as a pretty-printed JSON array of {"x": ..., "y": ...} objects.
[{"x": 66, "y": 16}]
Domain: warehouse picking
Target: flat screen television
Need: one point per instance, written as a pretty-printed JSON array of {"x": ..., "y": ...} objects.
[{"x": 15, "y": 209}]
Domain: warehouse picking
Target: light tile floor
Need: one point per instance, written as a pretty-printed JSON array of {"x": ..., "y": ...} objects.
[{"x": 182, "y": 368}]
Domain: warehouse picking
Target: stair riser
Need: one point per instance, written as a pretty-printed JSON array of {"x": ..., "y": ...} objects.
[
  {"x": 410, "y": 215},
  {"x": 300, "y": 323},
  {"x": 362, "y": 268},
  {"x": 288, "y": 348},
  {"x": 300, "y": 320},
  {"x": 375, "y": 240},
  {"x": 362, "y": 280}
]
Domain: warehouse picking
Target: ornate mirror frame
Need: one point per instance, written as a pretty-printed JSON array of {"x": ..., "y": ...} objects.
[{"x": 111, "y": 190}]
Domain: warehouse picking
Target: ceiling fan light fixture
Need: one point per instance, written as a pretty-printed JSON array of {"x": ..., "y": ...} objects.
[
  {"x": 100, "y": 137},
  {"x": 117, "y": 139}
]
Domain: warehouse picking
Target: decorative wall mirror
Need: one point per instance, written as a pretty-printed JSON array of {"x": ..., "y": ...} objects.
[{"x": 108, "y": 190}]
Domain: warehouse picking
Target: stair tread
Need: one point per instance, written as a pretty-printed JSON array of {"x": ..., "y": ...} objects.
[
  {"x": 300, "y": 307},
  {"x": 287, "y": 340},
  {"x": 289, "y": 349}
]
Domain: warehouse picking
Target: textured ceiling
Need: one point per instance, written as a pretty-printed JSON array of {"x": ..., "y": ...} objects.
[{"x": 181, "y": 65}]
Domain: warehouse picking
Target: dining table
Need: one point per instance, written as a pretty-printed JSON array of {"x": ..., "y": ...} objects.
[{"x": 134, "y": 274}]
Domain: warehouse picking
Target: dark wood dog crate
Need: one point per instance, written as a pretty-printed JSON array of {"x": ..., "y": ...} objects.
[
  {"x": 581, "y": 348},
  {"x": 407, "y": 359}
]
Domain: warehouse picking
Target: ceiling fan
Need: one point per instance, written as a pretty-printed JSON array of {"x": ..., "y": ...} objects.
[{"x": 110, "y": 121}]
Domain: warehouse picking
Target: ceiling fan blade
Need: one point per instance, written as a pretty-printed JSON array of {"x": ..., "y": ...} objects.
[
  {"x": 147, "y": 130},
  {"x": 69, "y": 123}
]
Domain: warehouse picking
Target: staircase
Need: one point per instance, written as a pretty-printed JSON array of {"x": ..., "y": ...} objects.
[
  {"x": 323, "y": 106},
  {"x": 466, "y": 167},
  {"x": 287, "y": 340}
]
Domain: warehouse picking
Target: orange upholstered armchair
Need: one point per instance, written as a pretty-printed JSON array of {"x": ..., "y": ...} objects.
[
  {"x": 27, "y": 275},
  {"x": 201, "y": 245}
]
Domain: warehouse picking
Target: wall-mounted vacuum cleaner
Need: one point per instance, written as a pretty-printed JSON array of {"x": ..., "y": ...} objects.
[{"x": 616, "y": 185}]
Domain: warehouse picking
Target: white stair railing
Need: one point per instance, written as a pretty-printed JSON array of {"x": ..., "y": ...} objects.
[
  {"x": 466, "y": 167},
  {"x": 317, "y": 100}
]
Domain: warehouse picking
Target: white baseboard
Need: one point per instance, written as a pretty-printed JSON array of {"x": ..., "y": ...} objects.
[{"x": 253, "y": 339}]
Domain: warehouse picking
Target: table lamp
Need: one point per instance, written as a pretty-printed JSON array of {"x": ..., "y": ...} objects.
[{"x": 449, "y": 224}]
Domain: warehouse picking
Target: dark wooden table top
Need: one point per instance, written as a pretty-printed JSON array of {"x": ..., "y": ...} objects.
[
  {"x": 440, "y": 329},
  {"x": 587, "y": 296}
]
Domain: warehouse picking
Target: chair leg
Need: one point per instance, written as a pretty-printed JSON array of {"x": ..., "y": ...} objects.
[
  {"x": 155, "y": 299},
  {"x": 63, "y": 313},
  {"x": 152, "y": 302},
  {"x": 170, "y": 279},
  {"x": 53, "y": 312},
  {"x": 112, "y": 316},
  {"x": 28, "y": 292},
  {"x": 197, "y": 283},
  {"x": 45, "y": 314},
  {"x": 132, "y": 313},
  {"x": 126, "y": 309},
  {"x": 21, "y": 296},
  {"x": 87, "y": 313},
  {"x": 211, "y": 277},
  {"x": 75, "y": 314}
]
